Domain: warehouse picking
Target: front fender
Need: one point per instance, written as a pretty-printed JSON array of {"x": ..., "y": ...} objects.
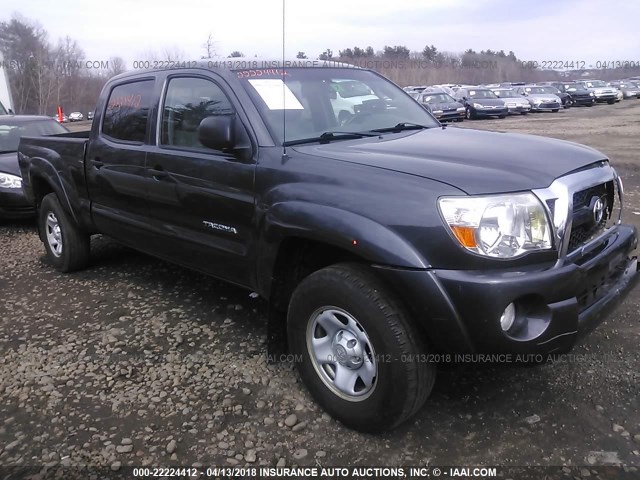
[{"x": 359, "y": 235}]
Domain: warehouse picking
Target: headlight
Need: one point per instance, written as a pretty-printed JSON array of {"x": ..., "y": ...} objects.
[
  {"x": 591, "y": 94},
  {"x": 477, "y": 105},
  {"x": 10, "y": 181},
  {"x": 436, "y": 111},
  {"x": 460, "y": 109},
  {"x": 501, "y": 226}
]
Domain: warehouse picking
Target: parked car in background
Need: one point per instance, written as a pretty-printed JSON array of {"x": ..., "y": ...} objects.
[
  {"x": 13, "y": 204},
  {"x": 628, "y": 89},
  {"x": 540, "y": 98},
  {"x": 601, "y": 90},
  {"x": 348, "y": 94},
  {"x": 580, "y": 95},
  {"x": 443, "y": 106},
  {"x": 76, "y": 117},
  {"x": 481, "y": 102},
  {"x": 65, "y": 119},
  {"x": 564, "y": 97},
  {"x": 90, "y": 115},
  {"x": 516, "y": 104}
]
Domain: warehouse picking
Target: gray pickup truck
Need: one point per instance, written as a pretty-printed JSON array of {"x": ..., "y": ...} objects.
[{"x": 384, "y": 242}]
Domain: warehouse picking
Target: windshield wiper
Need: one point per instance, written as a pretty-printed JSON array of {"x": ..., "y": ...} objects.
[
  {"x": 328, "y": 136},
  {"x": 401, "y": 126}
]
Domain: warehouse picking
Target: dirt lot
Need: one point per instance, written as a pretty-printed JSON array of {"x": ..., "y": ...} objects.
[{"x": 136, "y": 361}]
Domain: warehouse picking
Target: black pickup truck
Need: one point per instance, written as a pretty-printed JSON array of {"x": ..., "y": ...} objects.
[{"x": 386, "y": 242}]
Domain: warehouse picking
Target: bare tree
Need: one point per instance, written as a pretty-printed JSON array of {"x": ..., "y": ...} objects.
[
  {"x": 117, "y": 66},
  {"x": 209, "y": 47}
]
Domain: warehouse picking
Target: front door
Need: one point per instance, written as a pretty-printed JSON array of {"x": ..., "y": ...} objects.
[{"x": 200, "y": 199}]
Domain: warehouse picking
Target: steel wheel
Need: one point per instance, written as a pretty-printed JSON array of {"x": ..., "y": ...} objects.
[
  {"x": 342, "y": 354},
  {"x": 54, "y": 234}
]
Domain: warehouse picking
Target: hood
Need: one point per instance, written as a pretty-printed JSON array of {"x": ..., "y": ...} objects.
[
  {"x": 474, "y": 161},
  {"x": 546, "y": 97},
  {"x": 9, "y": 163},
  {"x": 518, "y": 100},
  {"x": 444, "y": 106},
  {"x": 487, "y": 101}
]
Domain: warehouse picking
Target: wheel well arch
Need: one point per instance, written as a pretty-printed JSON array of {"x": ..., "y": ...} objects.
[
  {"x": 297, "y": 258},
  {"x": 41, "y": 187}
]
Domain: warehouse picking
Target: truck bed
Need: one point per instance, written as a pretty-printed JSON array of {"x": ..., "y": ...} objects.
[{"x": 61, "y": 158}]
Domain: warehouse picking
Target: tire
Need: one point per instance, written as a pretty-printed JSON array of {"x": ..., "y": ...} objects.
[
  {"x": 611, "y": 102},
  {"x": 502, "y": 116},
  {"x": 555, "y": 110},
  {"x": 470, "y": 115},
  {"x": 347, "y": 302},
  {"x": 459, "y": 119},
  {"x": 523, "y": 113},
  {"x": 568, "y": 104},
  {"x": 590, "y": 104},
  {"x": 66, "y": 244}
]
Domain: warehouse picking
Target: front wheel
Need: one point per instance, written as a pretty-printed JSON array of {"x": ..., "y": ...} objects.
[
  {"x": 470, "y": 114},
  {"x": 357, "y": 352},
  {"x": 66, "y": 244}
]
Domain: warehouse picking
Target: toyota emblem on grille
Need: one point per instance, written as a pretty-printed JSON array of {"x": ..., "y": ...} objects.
[{"x": 599, "y": 207}]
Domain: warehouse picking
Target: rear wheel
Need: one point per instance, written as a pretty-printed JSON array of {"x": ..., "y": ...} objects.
[
  {"x": 470, "y": 114},
  {"x": 66, "y": 244},
  {"x": 357, "y": 352}
]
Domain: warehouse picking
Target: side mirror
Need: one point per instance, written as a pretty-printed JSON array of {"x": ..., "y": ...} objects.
[
  {"x": 464, "y": 98},
  {"x": 217, "y": 132}
]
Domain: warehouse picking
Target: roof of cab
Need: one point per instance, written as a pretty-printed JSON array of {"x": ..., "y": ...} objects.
[{"x": 224, "y": 64}]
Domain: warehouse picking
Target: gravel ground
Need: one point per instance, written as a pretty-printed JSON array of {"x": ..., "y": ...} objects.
[{"x": 138, "y": 362}]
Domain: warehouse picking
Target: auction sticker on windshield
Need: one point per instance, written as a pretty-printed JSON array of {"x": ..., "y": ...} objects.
[{"x": 276, "y": 94}]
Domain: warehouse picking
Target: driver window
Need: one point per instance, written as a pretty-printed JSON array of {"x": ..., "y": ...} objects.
[{"x": 187, "y": 102}]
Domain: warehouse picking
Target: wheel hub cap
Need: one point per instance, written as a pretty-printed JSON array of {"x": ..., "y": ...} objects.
[
  {"x": 347, "y": 350},
  {"x": 342, "y": 353},
  {"x": 54, "y": 234}
]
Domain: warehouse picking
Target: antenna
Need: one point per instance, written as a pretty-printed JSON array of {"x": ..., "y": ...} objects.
[{"x": 284, "y": 96}]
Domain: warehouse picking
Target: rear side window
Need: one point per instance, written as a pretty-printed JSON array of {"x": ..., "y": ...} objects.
[
  {"x": 128, "y": 111},
  {"x": 188, "y": 101}
]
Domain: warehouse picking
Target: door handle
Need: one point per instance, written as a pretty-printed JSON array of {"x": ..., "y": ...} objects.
[
  {"x": 158, "y": 173},
  {"x": 97, "y": 163}
]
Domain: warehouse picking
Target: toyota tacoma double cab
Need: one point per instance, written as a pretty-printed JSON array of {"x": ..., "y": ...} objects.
[{"x": 382, "y": 241}]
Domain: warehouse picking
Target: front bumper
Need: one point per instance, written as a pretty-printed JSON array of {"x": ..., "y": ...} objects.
[
  {"x": 583, "y": 100},
  {"x": 449, "y": 116},
  {"x": 460, "y": 310},
  {"x": 518, "y": 109},
  {"x": 490, "y": 112},
  {"x": 13, "y": 204},
  {"x": 605, "y": 97},
  {"x": 543, "y": 107}
]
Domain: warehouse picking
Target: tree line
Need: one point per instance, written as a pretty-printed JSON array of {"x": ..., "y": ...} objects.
[{"x": 44, "y": 74}]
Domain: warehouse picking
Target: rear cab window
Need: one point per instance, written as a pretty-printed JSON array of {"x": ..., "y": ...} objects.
[{"x": 126, "y": 116}]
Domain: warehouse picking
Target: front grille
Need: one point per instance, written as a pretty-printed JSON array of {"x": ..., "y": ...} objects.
[{"x": 584, "y": 226}]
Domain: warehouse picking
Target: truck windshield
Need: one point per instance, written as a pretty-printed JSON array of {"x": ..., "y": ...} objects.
[{"x": 314, "y": 101}]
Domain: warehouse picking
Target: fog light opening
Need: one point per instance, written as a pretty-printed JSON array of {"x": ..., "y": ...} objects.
[{"x": 508, "y": 317}]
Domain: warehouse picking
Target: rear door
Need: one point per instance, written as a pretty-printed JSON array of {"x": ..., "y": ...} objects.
[
  {"x": 201, "y": 200},
  {"x": 115, "y": 162}
]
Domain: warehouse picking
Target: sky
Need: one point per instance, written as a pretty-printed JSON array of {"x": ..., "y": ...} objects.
[{"x": 578, "y": 30}]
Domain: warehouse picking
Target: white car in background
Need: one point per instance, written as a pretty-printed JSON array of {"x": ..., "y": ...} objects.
[
  {"x": 516, "y": 104},
  {"x": 348, "y": 95},
  {"x": 76, "y": 117}
]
